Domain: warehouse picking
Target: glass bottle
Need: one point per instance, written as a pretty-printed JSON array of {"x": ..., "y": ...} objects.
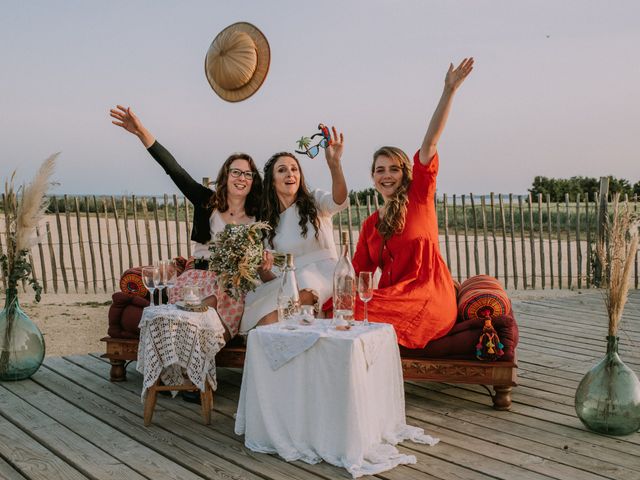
[
  {"x": 288, "y": 294},
  {"x": 344, "y": 285}
]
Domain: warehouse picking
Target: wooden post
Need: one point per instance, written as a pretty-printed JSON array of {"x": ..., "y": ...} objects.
[
  {"x": 568, "y": 227},
  {"x": 83, "y": 257},
  {"x": 558, "y": 222},
  {"x": 369, "y": 209},
  {"x": 522, "y": 244},
  {"x": 505, "y": 256},
  {"x": 588, "y": 226},
  {"x": 358, "y": 215},
  {"x": 118, "y": 234},
  {"x": 70, "y": 239},
  {"x": 513, "y": 243},
  {"x": 375, "y": 200},
  {"x": 100, "y": 250},
  {"x": 550, "y": 230},
  {"x": 136, "y": 229},
  {"x": 127, "y": 235},
  {"x": 349, "y": 221},
  {"x": 541, "y": 240},
  {"x": 476, "y": 259},
  {"x": 2, "y": 276},
  {"x": 109, "y": 249},
  {"x": 91, "y": 251},
  {"x": 578, "y": 246},
  {"x": 635, "y": 209},
  {"x": 493, "y": 236},
  {"x": 446, "y": 231},
  {"x": 147, "y": 230},
  {"x": 483, "y": 205},
  {"x": 532, "y": 245},
  {"x": 601, "y": 226},
  {"x": 157, "y": 224},
  {"x": 52, "y": 259},
  {"x": 166, "y": 225},
  {"x": 43, "y": 270},
  {"x": 177, "y": 224},
  {"x": 63, "y": 267},
  {"x": 187, "y": 226},
  {"x": 455, "y": 232},
  {"x": 467, "y": 256}
]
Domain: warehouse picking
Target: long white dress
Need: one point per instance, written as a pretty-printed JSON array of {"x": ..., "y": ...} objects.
[{"x": 314, "y": 259}]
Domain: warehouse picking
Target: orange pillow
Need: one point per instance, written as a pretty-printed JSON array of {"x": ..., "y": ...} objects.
[{"x": 482, "y": 296}]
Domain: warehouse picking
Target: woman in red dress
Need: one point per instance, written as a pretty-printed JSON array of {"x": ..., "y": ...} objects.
[{"x": 415, "y": 292}]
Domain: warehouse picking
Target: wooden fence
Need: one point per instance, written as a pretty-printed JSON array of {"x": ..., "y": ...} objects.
[{"x": 86, "y": 242}]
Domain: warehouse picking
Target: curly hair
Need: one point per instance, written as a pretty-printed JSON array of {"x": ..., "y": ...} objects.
[
  {"x": 218, "y": 198},
  {"x": 271, "y": 205},
  {"x": 395, "y": 207}
]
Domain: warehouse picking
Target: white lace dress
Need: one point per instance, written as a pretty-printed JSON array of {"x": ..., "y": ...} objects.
[{"x": 314, "y": 259}]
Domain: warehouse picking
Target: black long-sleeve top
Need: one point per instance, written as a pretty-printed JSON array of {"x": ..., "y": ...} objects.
[{"x": 196, "y": 193}]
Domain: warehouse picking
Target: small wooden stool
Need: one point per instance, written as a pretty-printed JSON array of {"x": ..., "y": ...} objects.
[{"x": 206, "y": 399}]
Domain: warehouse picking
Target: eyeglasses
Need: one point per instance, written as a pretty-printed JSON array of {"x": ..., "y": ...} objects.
[
  {"x": 313, "y": 151},
  {"x": 236, "y": 172}
]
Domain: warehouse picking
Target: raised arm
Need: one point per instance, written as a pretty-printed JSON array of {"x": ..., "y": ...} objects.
[
  {"x": 453, "y": 80},
  {"x": 333, "y": 154},
  {"x": 125, "y": 118}
]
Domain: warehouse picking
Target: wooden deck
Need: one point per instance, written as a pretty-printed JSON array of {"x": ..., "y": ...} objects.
[{"x": 70, "y": 422}]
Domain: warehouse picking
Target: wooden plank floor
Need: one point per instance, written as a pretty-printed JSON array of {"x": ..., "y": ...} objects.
[{"x": 70, "y": 422}]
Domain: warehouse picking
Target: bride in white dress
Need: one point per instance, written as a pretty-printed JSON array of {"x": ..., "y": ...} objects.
[{"x": 302, "y": 225}]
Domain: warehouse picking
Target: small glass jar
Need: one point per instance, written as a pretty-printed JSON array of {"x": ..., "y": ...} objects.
[
  {"x": 191, "y": 295},
  {"x": 308, "y": 315}
]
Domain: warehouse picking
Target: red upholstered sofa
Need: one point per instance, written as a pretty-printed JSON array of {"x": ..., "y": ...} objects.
[{"x": 451, "y": 359}]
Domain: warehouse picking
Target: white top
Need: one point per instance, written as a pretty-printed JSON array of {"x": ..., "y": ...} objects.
[
  {"x": 341, "y": 400},
  {"x": 314, "y": 258},
  {"x": 216, "y": 225}
]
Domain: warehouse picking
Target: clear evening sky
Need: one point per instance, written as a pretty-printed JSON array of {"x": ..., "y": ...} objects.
[{"x": 555, "y": 90}]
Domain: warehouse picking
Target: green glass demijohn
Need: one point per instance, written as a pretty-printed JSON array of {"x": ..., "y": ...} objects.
[
  {"x": 21, "y": 342},
  {"x": 608, "y": 397}
]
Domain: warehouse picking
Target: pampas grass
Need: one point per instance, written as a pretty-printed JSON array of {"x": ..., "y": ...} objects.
[{"x": 616, "y": 255}]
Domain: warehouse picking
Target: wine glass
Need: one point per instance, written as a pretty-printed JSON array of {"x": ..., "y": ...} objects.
[
  {"x": 169, "y": 273},
  {"x": 150, "y": 278},
  {"x": 161, "y": 283},
  {"x": 365, "y": 291}
]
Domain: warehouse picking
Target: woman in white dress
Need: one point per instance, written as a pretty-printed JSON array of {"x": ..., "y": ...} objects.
[{"x": 302, "y": 225}]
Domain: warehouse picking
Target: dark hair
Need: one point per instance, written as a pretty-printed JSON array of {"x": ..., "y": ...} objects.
[
  {"x": 219, "y": 197},
  {"x": 271, "y": 205},
  {"x": 396, "y": 207}
]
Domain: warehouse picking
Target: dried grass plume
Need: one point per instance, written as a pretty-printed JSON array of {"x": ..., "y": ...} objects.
[{"x": 617, "y": 255}]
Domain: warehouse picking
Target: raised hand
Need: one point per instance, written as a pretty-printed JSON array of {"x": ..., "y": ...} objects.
[
  {"x": 125, "y": 118},
  {"x": 333, "y": 151},
  {"x": 455, "y": 76}
]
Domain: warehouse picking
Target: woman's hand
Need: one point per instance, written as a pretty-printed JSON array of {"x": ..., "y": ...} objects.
[
  {"x": 125, "y": 118},
  {"x": 264, "y": 270},
  {"x": 455, "y": 76},
  {"x": 333, "y": 151}
]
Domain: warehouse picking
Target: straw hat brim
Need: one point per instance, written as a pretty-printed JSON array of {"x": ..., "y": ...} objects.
[{"x": 263, "y": 54}]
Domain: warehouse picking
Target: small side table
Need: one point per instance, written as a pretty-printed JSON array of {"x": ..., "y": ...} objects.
[{"x": 174, "y": 342}]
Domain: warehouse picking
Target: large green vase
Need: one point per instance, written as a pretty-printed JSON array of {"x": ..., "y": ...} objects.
[
  {"x": 21, "y": 342},
  {"x": 608, "y": 397}
]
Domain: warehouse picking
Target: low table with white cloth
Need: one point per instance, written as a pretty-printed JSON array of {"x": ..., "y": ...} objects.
[
  {"x": 175, "y": 343},
  {"x": 315, "y": 393}
]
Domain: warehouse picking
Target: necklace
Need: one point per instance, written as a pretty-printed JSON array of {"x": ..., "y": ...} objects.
[{"x": 239, "y": 213}]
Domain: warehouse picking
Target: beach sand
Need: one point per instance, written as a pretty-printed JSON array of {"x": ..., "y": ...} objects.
[{"x": 75, "y": 323}]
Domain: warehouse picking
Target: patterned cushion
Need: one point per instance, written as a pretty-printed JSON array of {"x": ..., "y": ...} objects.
[
  {"x": 131, "y": 283},
  {"x": 482, "y": 296}
]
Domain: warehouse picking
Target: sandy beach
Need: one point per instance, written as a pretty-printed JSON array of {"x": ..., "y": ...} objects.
[{"x": 75, "y": 323}]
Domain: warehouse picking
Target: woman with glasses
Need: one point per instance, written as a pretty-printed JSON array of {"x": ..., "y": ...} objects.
[
  {"x": 236, "y": 199},
  {"x": 415, "y": 292},
  {"x": 302, "y": 225}
]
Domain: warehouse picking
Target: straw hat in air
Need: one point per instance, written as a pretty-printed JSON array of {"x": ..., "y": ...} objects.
[{"x": 237, "y": 62}]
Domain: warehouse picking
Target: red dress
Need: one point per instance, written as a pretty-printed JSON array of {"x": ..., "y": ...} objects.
[{"x": 415, "y": 293}]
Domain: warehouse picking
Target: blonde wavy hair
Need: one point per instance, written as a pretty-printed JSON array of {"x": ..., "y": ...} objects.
[{"x": 396, "y": 207}]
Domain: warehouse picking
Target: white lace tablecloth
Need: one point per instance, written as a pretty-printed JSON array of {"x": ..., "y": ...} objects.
[
  {"x": 327, "y": 395},
  {"x": 174, "y": 342}
]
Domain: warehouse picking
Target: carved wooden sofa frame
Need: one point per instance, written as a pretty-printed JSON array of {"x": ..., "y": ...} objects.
[{"x": 500, "y": 375}]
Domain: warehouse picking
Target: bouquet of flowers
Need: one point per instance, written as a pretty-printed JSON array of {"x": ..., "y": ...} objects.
[{"x": 236, "y": 255}]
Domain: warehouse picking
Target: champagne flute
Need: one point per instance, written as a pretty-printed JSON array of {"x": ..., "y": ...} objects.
[
  {"x": 365, "y": 292},
  {"x": 162, "y": 279},
  {"x": 170, "y": 275},
  {"x": 150, "y": 278}
]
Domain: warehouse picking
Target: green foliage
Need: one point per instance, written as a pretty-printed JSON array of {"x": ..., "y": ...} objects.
[
  {"x": 557, "y": 188},
  {"x": 21, "y": 271}
]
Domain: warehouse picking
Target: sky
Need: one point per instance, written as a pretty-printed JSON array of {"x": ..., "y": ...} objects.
[{"x": 555, "y": 89}]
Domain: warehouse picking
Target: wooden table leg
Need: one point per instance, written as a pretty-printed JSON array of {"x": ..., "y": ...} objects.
[
  {"x": 150, "y": 404},
  {"x": 206, "y": 402}
]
